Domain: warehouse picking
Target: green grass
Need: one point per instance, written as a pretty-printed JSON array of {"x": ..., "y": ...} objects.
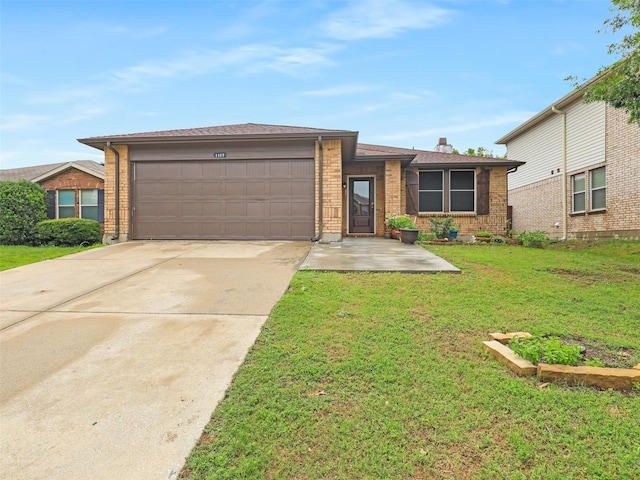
[
  {"x": 382, "y": 376},
  {"x": 12, "y": 256}
]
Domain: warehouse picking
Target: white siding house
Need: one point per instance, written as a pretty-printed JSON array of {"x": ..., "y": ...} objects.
[{"x": 582, "y": 173}]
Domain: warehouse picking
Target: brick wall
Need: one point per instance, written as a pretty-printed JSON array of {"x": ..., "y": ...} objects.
[
  {"x": 73, "y": 179},
  {"x": 110, "y": 190},
  {"x": 393, "y": 201},
  {"x": 331, "y": 189},
  {"x": 538, "y": 207}
]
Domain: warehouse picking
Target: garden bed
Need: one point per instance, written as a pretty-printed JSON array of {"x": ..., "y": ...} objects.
[{"x": 617, "y": 373}]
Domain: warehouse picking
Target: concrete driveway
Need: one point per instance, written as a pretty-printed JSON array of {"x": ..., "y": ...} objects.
[{"x": 112, "y": 360}]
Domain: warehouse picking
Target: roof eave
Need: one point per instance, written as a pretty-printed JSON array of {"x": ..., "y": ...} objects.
[
  {"x": 101, "y": 142},
  {"x": 64, "y": 167},
  {"x": 510, "y": 163}
]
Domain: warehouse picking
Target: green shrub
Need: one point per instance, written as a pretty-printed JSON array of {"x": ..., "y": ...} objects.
[
  {"x": 399, "y": 221},
  {"x": 537, "y": 239},
  {"x": 547, "y": 350},
  {"x": 22, "y": 205},
  {"x": 441, "y": 227},
  {"x": 484, "y": 234},
  {"x": 67, "y": 232},
  {"x": 426, "y": 237}
]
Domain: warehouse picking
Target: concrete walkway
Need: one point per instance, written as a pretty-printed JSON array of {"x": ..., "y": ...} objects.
[
  {"x": 112, "y": 360},
  {"x": 374, "y": 255}
]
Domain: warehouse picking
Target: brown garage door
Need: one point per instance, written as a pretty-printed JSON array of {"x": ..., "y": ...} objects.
[{"x": 229, "y": 199}]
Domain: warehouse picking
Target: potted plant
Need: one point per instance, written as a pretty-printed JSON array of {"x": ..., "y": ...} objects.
[
  {"x": 396, "y": 221},
  {"x": 453, "y": 231},
  {"x": 408, "y": 231},
  {"x": 483, "y": 236}
]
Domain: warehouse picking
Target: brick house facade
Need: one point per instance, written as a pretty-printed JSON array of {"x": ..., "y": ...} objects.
[
  {"x": 254, "y": 181},
  {"x": 582, "y": 177},
  {"x": 74, "y": 189}
]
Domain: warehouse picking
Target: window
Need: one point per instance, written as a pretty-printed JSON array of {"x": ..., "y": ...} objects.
[
  {"x": 89, "y": 204},
  {"x": 431, "y": 191},
  {"x": 66, "y": 203},
  {"x": 578, "y": 189},
  {"x": 598, "y": 185},
  {"x": 447, "y": 191},
  {"x": 596, "y": 191},
  {"x": 462, "y": 191}
]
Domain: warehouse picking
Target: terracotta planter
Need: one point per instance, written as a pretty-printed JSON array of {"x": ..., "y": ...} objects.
[{"x": 394, "y": 233}]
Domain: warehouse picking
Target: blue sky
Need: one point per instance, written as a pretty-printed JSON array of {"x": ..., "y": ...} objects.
[{"x": 401, "y": 72}]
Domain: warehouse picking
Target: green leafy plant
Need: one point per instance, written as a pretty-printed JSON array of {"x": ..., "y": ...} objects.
[
  {"x": 22, "y": 206},
  {"x": 441, "y": 227},
  {"x": 537, "y": 239},
  {"x": 594, "y": 362},
  {"x": 538, "y": 349},
  {"x": 426, "y": 236},
  {"x": 399, "y": 221},
  {"x": 484, "y": 234},
  {"x": 67, "y": 232}
]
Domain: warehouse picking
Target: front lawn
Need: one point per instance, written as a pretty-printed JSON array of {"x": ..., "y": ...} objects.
[
  {"x": 383, "y": 376},
  {"x": 12, "y": 256}
]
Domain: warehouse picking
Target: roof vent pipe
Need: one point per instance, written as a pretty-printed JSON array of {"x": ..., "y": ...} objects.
[{"x": 116, "y": 189}]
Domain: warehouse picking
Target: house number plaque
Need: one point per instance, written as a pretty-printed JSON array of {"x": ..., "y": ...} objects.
[{"x": 220, "y": 155}]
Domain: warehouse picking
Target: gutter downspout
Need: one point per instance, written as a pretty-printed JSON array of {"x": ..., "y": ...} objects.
[
  {"x": 117, "y": 190},
  {"x": 321, "y": 161},
  {"x": 564, "y": 170}
]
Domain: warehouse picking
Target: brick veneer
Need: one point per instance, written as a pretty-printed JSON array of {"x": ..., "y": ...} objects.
[
  {"x": 109, "y": 194},
  {"x": 538, "y": 206},
  {"x": 73, "y": 179},
  {"x": 331, "y": 189}
]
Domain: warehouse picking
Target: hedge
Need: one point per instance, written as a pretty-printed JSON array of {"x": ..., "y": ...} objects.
[
  {"x": 22, "y": 206},
  {"x": 67, "y": 232}
]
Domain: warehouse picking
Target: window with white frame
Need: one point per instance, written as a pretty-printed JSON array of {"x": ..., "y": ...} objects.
[
  {"x": 462, "y": 191},
  {"x": 66, "y": 203},
  {"x": 598, "y": 185},
  {"x": 578, "y": 189},
  {"x": 431, "y": 191},
  {"x": 447, "y": 191},
  {"x": 89, "y": 204}
]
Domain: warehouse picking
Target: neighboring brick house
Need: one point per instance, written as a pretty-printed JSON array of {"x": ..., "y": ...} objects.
[
  {"x": 254, "y": 181},
  {"x": 74, "y": 189},
  {"x": 582, "y": 173}
]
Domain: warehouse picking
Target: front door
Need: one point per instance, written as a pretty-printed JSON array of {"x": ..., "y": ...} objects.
[{"x": 361, "y": 206}]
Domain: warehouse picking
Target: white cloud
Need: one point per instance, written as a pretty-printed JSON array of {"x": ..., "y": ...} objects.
[
  {"x": 383, "y": 19},
  {"x": 249, "y": 58},
  {"x": 339, "y": 90}
]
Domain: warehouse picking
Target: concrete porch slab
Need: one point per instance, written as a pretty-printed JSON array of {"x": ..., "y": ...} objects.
[{"x": 374, "y": 255}]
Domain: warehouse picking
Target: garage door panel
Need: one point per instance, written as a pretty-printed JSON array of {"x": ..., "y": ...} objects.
[
  {"x": 236, "y": 189},
  {"x": 299, "y": 188},
  {"x": 230, "y": 199}
]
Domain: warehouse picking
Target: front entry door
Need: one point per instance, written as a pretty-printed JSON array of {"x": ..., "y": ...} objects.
[{"x": 361, "y": 206}]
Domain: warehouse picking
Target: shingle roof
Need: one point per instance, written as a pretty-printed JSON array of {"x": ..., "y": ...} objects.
[
  {"x": 425, "y": 157},
  {"x": 242, "y": 129},
  {"x": 41, "y": 171}
]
